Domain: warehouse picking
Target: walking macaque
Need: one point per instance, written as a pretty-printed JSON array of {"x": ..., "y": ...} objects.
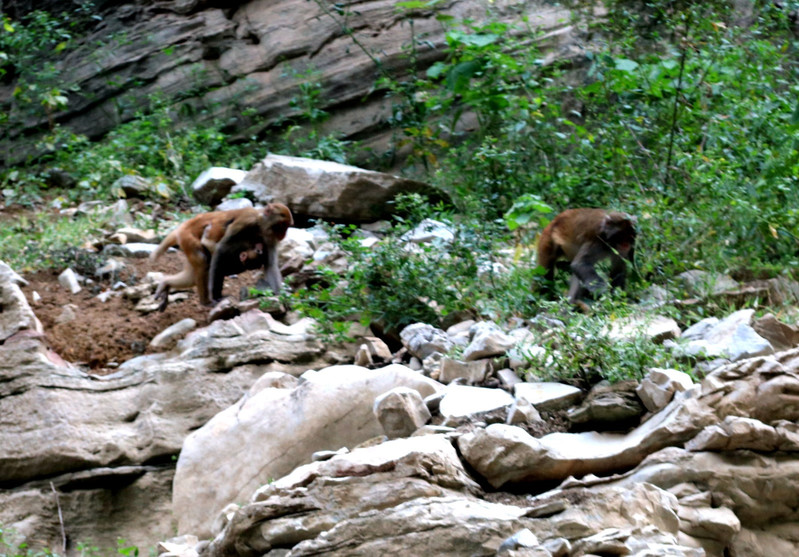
[
  {"x": 265, "y": 228},
  {"x": 584, "y": 237},
  {"x": 202, "y": 236}
]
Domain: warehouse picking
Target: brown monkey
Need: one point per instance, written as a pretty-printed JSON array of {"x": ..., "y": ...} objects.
[
  {"x": 584, "y": 237},
  {"x": 198, "y": 237},
  {"x": 266, "y": 228}
]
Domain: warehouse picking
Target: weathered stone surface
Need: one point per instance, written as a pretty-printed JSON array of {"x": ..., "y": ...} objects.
[
  {"x": 252, "y": 337},
  {"x": 213, "y": 184},
  {"x": 430, "y": 231},
  {"x": 131, "y": 249},
  {"x": 738, "y": 480},
  {"x": 718, "y": 524},
  {"x": 781, "y": 335},
  {"x": 383, "y": 500},
  {"x": 656, "y": 328},
  {"x": 100, "y": 505},
  {"x": 401, "y": 411},
  {"x": 16, "y": 314},
  {"x": 331, "y": 409},
  {"x": 173, "y": 333},
  {"x": 702, "y": 283},
  {"x": 68, "y": 279},
  {"x": 318, "y": 496},
  {"x": 471, "y": 372},
  {"x": 658, "y": 387},
  {"x": 255, "y": 56},
  {"x": 421, "y": 340},
  {"x": 488, "y": 340},
  {"x": 460, "y": 400},
  {"x": 324, "y": 189},
  {"x": 131, "y": 185},
  {"x": 139, "y": 414},
  {"x": 547, "y": 395},
  {"x": 608, "y": 403},
  {"x": 733, "y": 338},
  {"x": 736, "y": 433},
  {"x": 503, "y": 454},
  {"x": 521, "y": 411}
]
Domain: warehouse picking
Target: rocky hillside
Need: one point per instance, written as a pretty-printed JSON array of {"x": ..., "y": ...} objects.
[
  {"x": 252, "y": 434},
  {"x": 243, "y": 62}
]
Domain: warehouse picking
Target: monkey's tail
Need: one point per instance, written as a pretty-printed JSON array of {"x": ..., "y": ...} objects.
[{"x": 170, "y": 240}]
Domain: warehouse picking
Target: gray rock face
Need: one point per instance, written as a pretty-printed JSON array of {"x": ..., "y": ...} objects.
[
  {"x": 226, "y": 59},
  {"x": 732, "y": 337},
  {"x": 326, "y": 190},
  {"x": 93, "y": 437},
  {"x": 215, "y": 183},
  {"x": 331, "y": 409},
  {"x": 422, "y": 340},
  {"x": 383, "y": 500},
  {"x": 401, "y": 411},
  {"x": 503, "y": 453}
]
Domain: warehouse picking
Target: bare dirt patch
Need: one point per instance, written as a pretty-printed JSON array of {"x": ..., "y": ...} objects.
[{"x": 106, "y": 334}]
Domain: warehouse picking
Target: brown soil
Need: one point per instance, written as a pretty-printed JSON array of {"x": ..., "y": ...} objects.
[{"x": 105, "y": 335}]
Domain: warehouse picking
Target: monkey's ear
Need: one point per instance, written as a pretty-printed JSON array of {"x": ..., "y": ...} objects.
[{"x": 608, "y": 226}]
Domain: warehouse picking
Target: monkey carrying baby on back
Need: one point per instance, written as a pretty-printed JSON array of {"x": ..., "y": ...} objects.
[
  {"x": 223, "y": 243},
  {"x": 584, "y": 237}
]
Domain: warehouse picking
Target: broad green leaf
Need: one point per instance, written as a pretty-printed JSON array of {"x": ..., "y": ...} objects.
[{"x": 626, "y": 65}]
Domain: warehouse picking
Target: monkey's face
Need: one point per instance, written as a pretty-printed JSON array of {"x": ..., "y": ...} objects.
[
  {"x": 618, "y": 230},
  {"x": 280, "y": 218}
]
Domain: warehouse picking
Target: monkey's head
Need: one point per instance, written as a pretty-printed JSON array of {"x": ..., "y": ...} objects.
[
  {"x": 278, "y": 219},
  {"x": 618, "y": 230}
]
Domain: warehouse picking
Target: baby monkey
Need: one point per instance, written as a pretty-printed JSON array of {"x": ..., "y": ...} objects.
[{"x": 215, "y": 230}]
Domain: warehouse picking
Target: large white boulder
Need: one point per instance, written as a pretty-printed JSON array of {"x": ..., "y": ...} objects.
[{"x": 268, "y": 434}]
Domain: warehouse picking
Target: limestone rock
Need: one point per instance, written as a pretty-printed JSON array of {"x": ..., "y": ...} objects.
[
  {"x": 10, "y": 276},
  {"x": 324, "y": 189},
  {"x": 430, "y": 231},
  {"x": 521, "y": 411},
  {"x": 214, "y": 183},
  {"x": 234, "y": 203},
  {"x": 173, "y": 332},
  {"x": 401, "y": 411},
  {"x": 488, "y": 341},
  {"x": 607, "y": 403},
  {"x": 471, "y": 372},
  {"x": 336, "y": 409},
  {"x": 503, "y": 453},
  {"x": 781, "y": 335},
  {"x": 702, "y": 283},
  {"x": 460, "y": 400},
  {"x": 656, "y": 328},
  {"x": 298, "y": 243},
  {"x": 131, "y": 185},
  {"x": 68, "y": 279},
  {"x": 422, "y": 340},
  {"x": 548, "y": 395},
  {"x": 658, "y": 387},
  {"x": 16, "y": 314},
  {"x": 131, "y": 249},
  {"x": 138, "y": 235},
  {"x": 732, "y": 337}
]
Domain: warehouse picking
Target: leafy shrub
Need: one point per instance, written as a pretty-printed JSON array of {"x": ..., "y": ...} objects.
[{"x": 582, "y": 352}]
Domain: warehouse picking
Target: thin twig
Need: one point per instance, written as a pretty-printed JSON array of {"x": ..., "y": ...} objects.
[
  {"x": 60, "y": 521},
  {"x": 683, "y": 56}
]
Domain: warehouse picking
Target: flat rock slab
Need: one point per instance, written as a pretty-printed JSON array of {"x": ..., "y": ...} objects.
[
  {"x": 461, "y": 400},
  {"x": 547, "y": 395}
]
